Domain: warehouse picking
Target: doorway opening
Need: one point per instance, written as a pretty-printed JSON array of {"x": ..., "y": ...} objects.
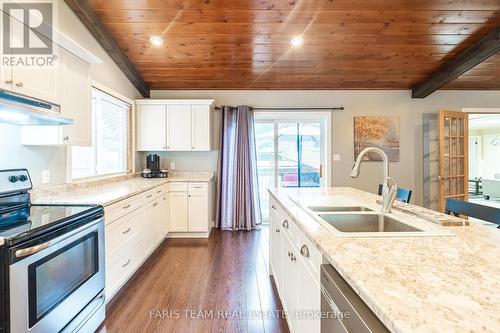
[
  {"x": 292, "y": 151},
  {"x": 484, "y": 158}
]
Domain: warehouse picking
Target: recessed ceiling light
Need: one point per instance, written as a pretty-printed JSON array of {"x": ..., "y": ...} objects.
[
  {"x": 156, "y": 40},
  {"x": 297, "y": 41}
]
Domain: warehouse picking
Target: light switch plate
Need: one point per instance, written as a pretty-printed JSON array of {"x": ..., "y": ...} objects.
[
  {"x": 45, "y": 176},
  {"x": 336, "y": 157},
  {"x": 172, "y": 166}
]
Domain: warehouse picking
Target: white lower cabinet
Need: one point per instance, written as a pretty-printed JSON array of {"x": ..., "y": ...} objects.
[
  {"x": 137, "y": 225},
  {"x": 295, "y": 267},
  {"x": 190, "y": 208},
  {"x": 178, "y": 212},
  {"x": 134, "y": 229}
]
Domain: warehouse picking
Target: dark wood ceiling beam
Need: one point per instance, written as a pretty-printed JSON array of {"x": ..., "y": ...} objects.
[
  {"x": 468, "y": 59},
  {"x": 88, "y": 17}
]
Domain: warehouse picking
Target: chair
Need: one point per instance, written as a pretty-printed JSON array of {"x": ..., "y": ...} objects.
[
  {"x": 482, "y": 212},
  {"x": 403, "y": 194}
]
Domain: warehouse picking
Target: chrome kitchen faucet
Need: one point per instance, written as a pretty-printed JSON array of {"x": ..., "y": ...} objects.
[{"x": 390, "y": 187}]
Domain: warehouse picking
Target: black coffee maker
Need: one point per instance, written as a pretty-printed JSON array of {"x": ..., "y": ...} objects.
[{"x": 153, "y": 167}]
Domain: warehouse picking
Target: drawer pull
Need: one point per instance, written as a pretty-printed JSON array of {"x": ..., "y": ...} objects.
[
  {"x": 285, "y": 224},
  {"x": 126, "y": 264},
  {"x": 149, "y": 196},
  {"x": 304, "y": 250},
  {"x": 155, "y": 204},
  {"x": 273, "y": 207},
  {"x": 159, "y": 191},
  {"x": 126, "y": 231},
  {"x": 293, "y": 258},
  {"x": 127, "y": 206},
  {"x": 277, "y": 230},
  {"x": 289, "y": 254},
  {"x": 197, "y": 186}
]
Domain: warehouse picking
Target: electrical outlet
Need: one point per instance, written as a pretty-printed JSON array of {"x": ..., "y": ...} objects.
[
  {"x": 336, "y": 157},
  {"x": 45, "y": 176},
  {"x": 172, "y": 166}
]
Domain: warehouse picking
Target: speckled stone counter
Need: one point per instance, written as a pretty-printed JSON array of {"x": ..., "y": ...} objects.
[
  {"x": 413, "y": 284},
  {"x": 108, "y": 191}
]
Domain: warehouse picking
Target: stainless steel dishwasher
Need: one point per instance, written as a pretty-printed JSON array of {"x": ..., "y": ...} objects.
[{"x": 342, "y": 309}]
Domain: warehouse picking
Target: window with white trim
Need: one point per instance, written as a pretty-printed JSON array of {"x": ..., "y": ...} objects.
[{"x": 110, "y": 150}]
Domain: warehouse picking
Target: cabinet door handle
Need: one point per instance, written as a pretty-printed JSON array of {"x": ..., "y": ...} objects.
[
  {"x": 126, "y": 231},
  {"x": 304, "y": 250},
  {"x": 149, "y": 196},
  {"x": 155, "y": 204},
  {"x": 19, "y": 84},
  {"x": 285, "y": 224},
  {"x": 277, "y": 230},
  {"x": 289, "y": 254},
  {"x": 9, "y": 81},
  {"x": 126, "y": 207},
  {"x": 159, "y": 191},
  {"x": 66, "y": 138},
  {"x": 126, "y": 264},
  {"x": 273, "y": 207},
  {"x": 293, "y": 258}
]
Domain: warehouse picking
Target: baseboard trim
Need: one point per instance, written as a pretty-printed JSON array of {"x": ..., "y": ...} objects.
[{"x": 189, "y": 234}]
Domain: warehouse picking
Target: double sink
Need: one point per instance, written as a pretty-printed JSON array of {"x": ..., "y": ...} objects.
[
  {"x": 360, "y": 221},
  {"x": 371, "y": 222}
]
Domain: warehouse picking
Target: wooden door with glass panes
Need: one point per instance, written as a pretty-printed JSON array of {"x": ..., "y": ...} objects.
[{"x": 453, "y": 156}]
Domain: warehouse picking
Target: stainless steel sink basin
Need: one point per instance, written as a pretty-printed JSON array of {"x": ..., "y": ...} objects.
[
  {"x": 366, "y": 223},
  {"x": 339, "y": 209}
]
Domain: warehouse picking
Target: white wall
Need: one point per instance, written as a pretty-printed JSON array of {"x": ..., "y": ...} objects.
[
  {"x": 36, "y": 159},
  {"x": 408, "y": 172}
]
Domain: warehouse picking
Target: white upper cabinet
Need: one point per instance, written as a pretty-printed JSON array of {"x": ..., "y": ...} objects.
[
  {"x": 41, "y": 82},
  {"x": 151, "y": 127},
  {"x": 174, "y": 125},
  {"x": 200, "y": 121},
  {"x": 75, "y": 100},
  {"x": 179, "y": 129}
]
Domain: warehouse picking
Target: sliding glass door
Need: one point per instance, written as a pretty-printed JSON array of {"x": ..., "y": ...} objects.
[{"x": 291, "y": 152}]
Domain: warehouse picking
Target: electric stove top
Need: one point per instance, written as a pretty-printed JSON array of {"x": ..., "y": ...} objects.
[
  {"x": 20, "y": 220},
  {"x": 21, "y": 223}
]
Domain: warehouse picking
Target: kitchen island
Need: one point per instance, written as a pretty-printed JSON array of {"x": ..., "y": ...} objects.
[{"x": 442, "y": 282}]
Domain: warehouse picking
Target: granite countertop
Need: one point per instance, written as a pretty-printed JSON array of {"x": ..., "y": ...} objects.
[
  {"x": 108, "y": 191},
  {"x": 413, "y": 284}
]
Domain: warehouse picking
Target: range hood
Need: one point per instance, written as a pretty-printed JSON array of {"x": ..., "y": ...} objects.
[{"x": 21, "y": 110}]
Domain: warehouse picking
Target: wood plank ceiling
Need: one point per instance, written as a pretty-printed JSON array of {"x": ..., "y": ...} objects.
[{"x": 348, "y": 44}]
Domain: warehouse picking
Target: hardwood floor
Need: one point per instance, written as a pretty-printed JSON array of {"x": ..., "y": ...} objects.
[{"x": 217, "y": 285}]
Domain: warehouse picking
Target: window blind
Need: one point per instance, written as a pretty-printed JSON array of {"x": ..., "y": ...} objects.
[{"x": 110, "y": 150}]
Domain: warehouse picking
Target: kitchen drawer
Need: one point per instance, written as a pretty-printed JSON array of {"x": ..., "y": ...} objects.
[
  {"x": 197, "y": 187},
  {"x": 288, "y": 227},
  {"x": 122, "y": 230},
  {"x": 275, "y": 209},
  {"x": 121, "y": 265},
  {"x": 121, "y": 208},
  {"x": 154, "y": 193},
  {"x": 178, "y": 187},
  {"x": 311, "y": 255}
]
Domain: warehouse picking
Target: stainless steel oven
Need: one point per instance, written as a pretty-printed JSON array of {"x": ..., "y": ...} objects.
[{"x": 56, "y": 281}]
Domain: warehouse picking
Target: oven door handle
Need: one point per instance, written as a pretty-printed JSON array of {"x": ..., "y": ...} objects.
[{"x": 37, "y": 248}]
